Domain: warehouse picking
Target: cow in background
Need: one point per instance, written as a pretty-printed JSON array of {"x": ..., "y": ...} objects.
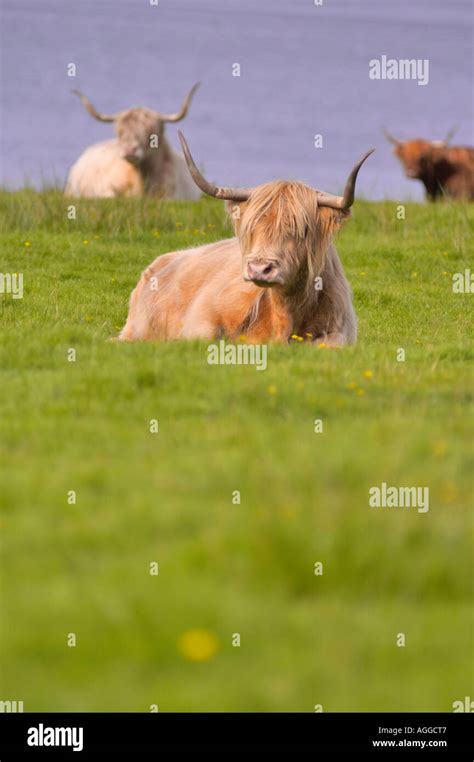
[
  {"x": 444, "y": 170},
  {"x": 139, "y": 161}
]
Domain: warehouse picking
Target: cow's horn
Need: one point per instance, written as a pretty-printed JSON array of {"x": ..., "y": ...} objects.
[
  {"x": 86, "y": 102},
  {"x": 233, "y": 194},
  {"x": 184, "y": 108},
  {"x": 390, "y": 137},
  {"x": 450, "y": 134},
  {"x": 347, "y": 199}
]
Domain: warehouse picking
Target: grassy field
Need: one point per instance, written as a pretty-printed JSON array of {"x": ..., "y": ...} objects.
[{"x": 306, "y": 639}]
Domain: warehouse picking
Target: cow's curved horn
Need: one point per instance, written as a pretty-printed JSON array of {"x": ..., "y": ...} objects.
[
  {"x": 347, "y": 199},
  {"x": 450, "y": 134},
  {"x": 232, "y": 194},
  {"x": 184, "y": 108},
  {"x": 390, "y": 137},
  {"x": 90, "y": 108}
]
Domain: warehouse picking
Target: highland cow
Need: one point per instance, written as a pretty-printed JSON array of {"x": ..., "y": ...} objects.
[
  {"x": 445, "y": 171},
  {"x": 279, "y": 276},
  {"x": 139, "y": 161}
]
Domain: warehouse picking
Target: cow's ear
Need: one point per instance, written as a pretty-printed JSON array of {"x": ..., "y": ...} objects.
[
  {"x": 333, "y": 216},
  {"x": 329, "y": 220}
]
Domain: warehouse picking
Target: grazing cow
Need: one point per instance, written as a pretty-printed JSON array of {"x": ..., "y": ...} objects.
[
  {"x": 138, "y": 161},
  {"x": 444, "y": 170},
  {"x": 279, "y": 276}
]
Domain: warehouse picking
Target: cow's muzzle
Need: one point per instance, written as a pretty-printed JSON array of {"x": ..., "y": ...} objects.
[
  {"x": 133, "y": 155},
  {"x": 132, "y": 159},
  {"x": 262, "y": 272}
]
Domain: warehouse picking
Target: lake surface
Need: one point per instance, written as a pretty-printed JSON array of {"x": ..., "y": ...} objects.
[{"x": 304, "y": 70}]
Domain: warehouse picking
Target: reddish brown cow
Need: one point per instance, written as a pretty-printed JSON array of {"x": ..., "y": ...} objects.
[
  {"x": 279, "y": 276},
  {"x": 445, "y": 171}
]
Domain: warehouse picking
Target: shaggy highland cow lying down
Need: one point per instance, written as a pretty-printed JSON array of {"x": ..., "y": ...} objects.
[
  {"x": 139, "y": 161},
  {"x": 279, "y": 276}
]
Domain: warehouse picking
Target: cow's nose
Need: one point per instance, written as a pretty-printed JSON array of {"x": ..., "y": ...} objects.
[
  {"x": 132, "y": 153},
  {"x": 260, "y": 270}
]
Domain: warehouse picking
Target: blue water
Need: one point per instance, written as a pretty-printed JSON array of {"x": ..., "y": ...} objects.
[{"x": 304, "y": 71}]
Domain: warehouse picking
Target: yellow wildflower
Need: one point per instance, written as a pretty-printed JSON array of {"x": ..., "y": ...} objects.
[
  {"x": 439, "y": 448},
  {"x": 198, "y": 645}
]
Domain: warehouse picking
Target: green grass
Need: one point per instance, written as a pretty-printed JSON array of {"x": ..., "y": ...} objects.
[{"x": 167, "y": 497}]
